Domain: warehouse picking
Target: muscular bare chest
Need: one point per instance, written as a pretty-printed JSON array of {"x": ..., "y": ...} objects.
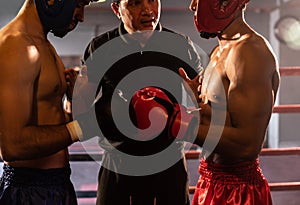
[
  {"x": 215, "y": 83},
  {"x": 50, "y": 87},
  {"x": 51, "y": 82},
  {"x": 214, "y": 91}
]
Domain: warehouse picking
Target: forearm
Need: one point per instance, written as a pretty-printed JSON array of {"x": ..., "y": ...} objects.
[{"x": 35, "y": 142}]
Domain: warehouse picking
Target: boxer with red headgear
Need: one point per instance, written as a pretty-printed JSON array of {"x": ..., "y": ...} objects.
[
  {"x": 212, "y": 17},
  {"x": 238, "y": 92},
  {"x": 34, "y": 129}
]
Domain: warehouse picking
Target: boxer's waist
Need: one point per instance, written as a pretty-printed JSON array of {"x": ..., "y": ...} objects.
[
  {"x": 58, "y": 160},
  {"x": 242, "y": 172}
]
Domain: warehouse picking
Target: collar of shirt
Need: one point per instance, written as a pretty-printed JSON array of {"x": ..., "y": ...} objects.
[{"x": 126, "y": 37}]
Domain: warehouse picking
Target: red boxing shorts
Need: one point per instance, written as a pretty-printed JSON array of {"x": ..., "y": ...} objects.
[{"x": 238, "y": 184}]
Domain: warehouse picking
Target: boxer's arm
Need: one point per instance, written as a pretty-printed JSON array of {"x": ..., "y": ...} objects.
[
  {"x": 250, "y": 103},
  {"x": 20, "y": 139}
]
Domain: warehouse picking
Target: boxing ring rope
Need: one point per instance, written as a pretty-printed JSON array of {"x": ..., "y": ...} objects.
[
  {"x": 293, "y": 108},
  {"x": 289, "y": 71}
]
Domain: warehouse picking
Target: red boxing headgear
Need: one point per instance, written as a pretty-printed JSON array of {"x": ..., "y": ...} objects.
[{"x": 211, "y": 18}]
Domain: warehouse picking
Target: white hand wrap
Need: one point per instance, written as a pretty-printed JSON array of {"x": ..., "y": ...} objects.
[{"x": 75, "y": 131}]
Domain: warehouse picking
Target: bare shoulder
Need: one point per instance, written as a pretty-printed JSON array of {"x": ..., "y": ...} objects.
[
  {"x": 14, "y": 42},
  {"x": 17, "y": 49},
  {"x": 256, "y": 51}
]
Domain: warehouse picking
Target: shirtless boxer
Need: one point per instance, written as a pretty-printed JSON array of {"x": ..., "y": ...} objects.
[
  {"x": 249, "y": 77},
  {"x": 34, "y": 131},
  {"x": 241, "y": 81}
]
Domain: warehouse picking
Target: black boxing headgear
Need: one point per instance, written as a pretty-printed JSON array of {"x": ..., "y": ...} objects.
[
  {"x": 56, "y": 15},
  {"x": 210, "y": 18}
]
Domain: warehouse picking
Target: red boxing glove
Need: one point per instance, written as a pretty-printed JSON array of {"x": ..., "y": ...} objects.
[
  {"x": 154, "y": 111},
  {"x": 148, "y": 115}
]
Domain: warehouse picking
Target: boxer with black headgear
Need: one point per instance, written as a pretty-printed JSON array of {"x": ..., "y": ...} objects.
[
  {"x": 34, "y": 129},
  {"x": 57, "y": 15},
  {"x": 238, "y": 92}
]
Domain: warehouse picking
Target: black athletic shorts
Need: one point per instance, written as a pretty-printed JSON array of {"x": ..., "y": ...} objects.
[{"x": 27, "y": 186}]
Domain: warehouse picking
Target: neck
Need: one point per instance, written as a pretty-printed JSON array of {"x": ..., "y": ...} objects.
[
  {"x": 30, "y": 21},
  {"x": 234, "y": 31}
]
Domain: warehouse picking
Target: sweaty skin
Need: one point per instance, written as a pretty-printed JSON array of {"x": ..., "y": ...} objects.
[{"x": 32, "y": 81}]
